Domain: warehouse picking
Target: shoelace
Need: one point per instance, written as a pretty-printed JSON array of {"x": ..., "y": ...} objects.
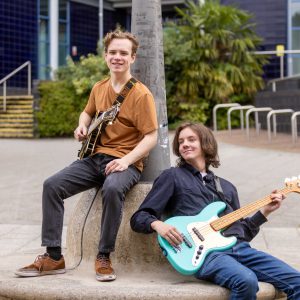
[
  {"x": 104, "y": 261},
  {"x": 39, "y": 260}
]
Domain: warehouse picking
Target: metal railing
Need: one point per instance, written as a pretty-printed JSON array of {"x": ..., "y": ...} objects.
[
  {"x": 279, "y": 53},
  {"x": 241, "y": 109},
  {"x": 216, "y": 107},
  {"x": 294, "y": 126},
  {"x": 274, "y": 81},
  {"x": 255, "y": 110},
  {"x": 274, "y": 113},
  {"x": 3, "y": 81}
]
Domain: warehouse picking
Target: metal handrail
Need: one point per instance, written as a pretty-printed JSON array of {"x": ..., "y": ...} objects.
[
  {"x": 274, "y": 81},
  {"x": 273, "y": 113},
  {"x": 3, "y": 80},
  {"x": 294, "y": 126},
  {"x": 240, "y": 108},
  {"x": 215, "y": 112},
  {"x": 255, "y": 110}
]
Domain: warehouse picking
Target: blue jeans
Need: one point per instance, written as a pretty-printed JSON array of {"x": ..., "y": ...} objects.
[
  {"x": 241, "y": 267},
  {"x": 82, "y": 175}
]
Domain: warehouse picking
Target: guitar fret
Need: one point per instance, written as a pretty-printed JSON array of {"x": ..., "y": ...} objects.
[{"x": 227, "y": 220}]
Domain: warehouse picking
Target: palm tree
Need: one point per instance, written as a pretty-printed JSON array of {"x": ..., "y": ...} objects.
[
  {"x": 149, "y": 68},
  {"x": 209, "y": 59}
]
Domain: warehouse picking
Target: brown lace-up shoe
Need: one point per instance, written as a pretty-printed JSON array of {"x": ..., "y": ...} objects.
[
  {"x": 104, "y": 270},
  {"x": 43, "y": 265}
]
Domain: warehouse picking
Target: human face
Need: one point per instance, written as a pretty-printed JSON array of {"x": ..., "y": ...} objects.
[
  {"x": 119, "y": 56},
  {"x": 190, "y": 147}
]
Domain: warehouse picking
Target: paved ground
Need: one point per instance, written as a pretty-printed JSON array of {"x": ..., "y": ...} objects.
[{"x": 256, "y": 170}]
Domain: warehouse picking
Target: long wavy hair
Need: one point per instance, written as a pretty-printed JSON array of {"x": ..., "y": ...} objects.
[{"x": 207, "y": 140}]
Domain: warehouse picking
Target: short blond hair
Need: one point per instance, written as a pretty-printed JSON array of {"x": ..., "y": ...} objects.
[{"x": 119, "y": 34}]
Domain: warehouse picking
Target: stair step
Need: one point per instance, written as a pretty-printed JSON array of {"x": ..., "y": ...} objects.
[
  {"x": 19, "y": 101},
  {"x": 16, "y": 121},
  {"x": 17, "y": 97},
  {"x": 27, "y": 130},
  {"x": 16, "y": 135},
  {"x": 16, "y": 116},
  {"x": 18, "y": 105},
  {"x": 16, "y": 125},
  {"x": 19, "y": 111}
]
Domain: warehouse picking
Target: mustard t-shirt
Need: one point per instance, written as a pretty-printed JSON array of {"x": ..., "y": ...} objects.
[{"x": 136, "y": 118}]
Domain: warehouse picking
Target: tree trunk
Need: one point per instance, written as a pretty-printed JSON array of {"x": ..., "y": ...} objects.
[{"x": 146, "y": 25}]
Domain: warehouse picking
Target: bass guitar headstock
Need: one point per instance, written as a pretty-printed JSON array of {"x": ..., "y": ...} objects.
[{"x": 293, "y": 184}]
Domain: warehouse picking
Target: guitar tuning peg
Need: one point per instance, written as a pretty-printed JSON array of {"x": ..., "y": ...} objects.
[
  {"x": 298, "y": 176},
  {"x": 286, "y": 180},
  {"x": 294, "y": 178},
  {"x": 110, "y": 123}
]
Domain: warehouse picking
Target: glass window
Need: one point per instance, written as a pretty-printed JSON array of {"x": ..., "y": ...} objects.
[
  {"x": 296, "y": 39},
  {"x": 44, "y": 8},
  {"x": 296, "y": 14},
  {"x": 296, "y": 65},
  {"x": 62, "y": 33},
  {"x": 63, "y": 9},
  {"x": 43, "y": 40}
]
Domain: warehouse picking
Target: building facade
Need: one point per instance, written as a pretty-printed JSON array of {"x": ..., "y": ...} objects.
[{"x": 45, "y": 32}]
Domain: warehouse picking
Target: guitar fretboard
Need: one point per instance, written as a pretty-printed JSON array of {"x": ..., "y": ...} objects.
[{"x": 238, "y": 214}]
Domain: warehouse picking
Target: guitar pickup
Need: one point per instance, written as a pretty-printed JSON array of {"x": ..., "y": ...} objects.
[
  {"x": 186, "y": 241},
  {"x": 176, "y": 249}
]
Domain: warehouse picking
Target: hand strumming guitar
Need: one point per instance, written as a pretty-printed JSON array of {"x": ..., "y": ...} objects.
[{"x": 168, "y": 232}]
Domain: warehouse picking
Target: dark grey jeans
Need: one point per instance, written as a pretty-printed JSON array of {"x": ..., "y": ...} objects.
[{"x": 82, "y": 175}]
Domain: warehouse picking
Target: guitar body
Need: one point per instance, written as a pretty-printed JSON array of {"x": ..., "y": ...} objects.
[
  {"x": 200, "y": 239},
  {"x": 88, "y": 145},
  {"x": 107, "y": 117}
]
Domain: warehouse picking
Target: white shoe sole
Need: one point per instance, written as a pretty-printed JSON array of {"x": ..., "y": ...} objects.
[
  {"x": 104, "y": 278},
  {"x": 36, "y": 273}
]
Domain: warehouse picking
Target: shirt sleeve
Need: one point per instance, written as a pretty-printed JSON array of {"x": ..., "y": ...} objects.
[
  {"x": 154, "y": 204},
  {"x": 90, "y": 107},
  {"x": 145, "y": 116},
  {"x": 250, "y": 225}
]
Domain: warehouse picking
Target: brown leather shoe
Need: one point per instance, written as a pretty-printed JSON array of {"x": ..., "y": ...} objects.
[
  {"x": 43, "y": 265},
  {"x": 104, "y": 270}
]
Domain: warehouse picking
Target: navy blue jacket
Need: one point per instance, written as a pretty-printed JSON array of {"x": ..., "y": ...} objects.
[{"x": 180, "y": 191}]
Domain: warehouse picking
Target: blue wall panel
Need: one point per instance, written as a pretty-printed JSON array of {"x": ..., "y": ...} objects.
[{"x": 18, "y": 38}]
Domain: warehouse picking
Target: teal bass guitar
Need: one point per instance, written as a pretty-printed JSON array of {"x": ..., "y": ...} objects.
[{"x": 202, "y": 234}]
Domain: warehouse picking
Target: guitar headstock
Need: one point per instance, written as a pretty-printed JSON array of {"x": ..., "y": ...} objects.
[
  {"x": 110, "y": 114},
  {"x": 293, "y": 184}
]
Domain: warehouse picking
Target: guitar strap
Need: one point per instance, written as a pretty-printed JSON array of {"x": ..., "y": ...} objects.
[
  {"x": 219, "y": 189},
  {"x": 123, "y": 94}
]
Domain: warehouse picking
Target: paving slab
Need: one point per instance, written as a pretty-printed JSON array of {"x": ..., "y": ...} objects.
[{"x": 255, "y": 171}]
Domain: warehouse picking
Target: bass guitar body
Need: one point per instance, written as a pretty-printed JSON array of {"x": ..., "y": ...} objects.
[
  {"x": 202, "y": 234},
  {"x": 199, "y": 239}
]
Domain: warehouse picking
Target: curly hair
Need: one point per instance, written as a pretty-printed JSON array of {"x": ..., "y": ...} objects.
[
  {"x": 207, "y": 140},
  {"x": 119, "y": 34}
]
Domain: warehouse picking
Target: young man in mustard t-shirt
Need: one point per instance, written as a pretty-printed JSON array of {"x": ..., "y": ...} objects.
[{"x": 115, "y": 166}]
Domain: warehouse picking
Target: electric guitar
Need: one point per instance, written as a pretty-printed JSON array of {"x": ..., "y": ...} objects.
[
  {"x": 107, "y": 117},
  {"x": 202, "y": 233}
]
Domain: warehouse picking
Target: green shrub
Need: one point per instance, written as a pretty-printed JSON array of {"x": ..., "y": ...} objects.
[
  {"x": 62, "y": 100},
  {"x": 209, "y": 60},
  {"x": 59, "y": 109}
]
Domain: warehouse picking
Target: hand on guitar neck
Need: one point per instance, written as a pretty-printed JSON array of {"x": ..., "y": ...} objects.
[{"x": 277, "y": 199}]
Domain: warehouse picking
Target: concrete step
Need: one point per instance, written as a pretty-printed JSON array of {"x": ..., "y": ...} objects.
[
  {"x": 15, "y": 135},
  {"x": 15, "y": 130},
  {"x": 16, "y": 116},
  {"x": 16, "y": 125},
  {"x": 19, "y": 110},
  {"x": 16, "y": 121},
  {"x": 19, "y": 105},
  {"x": 17, "y": 97},
  {"x": 17, "y": 102}
]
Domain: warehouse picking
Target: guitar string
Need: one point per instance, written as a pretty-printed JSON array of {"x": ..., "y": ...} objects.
[{"x": 221, "y": 222}]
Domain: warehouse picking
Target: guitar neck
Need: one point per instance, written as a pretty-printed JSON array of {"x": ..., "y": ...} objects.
[
  {"x": 238, "y": 214},
  {"x": 95, "y": 125}
]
